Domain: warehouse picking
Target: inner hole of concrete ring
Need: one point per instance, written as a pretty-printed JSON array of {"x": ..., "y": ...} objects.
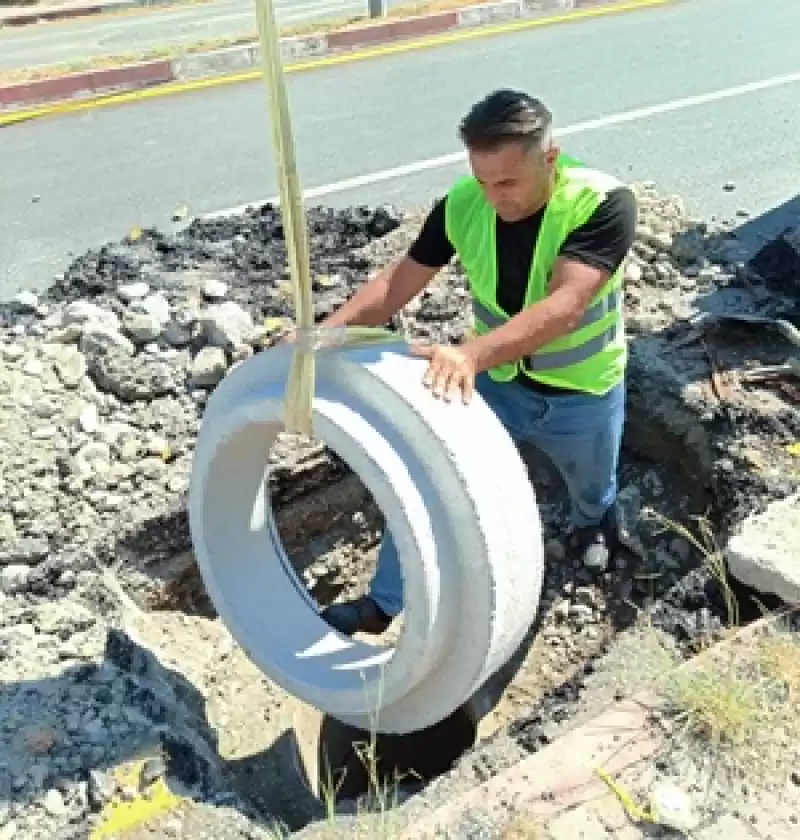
[
  {"x": 338, "y": 761},
  {"x": 325, "y": 544}
]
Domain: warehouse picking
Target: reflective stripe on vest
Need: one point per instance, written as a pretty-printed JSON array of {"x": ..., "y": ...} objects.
[
  {"x": 564, "y": 358},
  {"x": 591, "y": 316}
]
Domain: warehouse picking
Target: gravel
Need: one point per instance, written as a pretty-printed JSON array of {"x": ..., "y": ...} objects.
[
  {"x": 102, "y": 388},
  {"x": 80, "y": 699}
]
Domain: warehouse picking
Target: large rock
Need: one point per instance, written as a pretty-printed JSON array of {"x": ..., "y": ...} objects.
[
  {"x": 226, "y": 325},
  {"x": 765, "y": 550},
  {"x": 778, "y": 262},
  {"x": 144, "y": 377},
  {"x": 98, "y": 338},
  {"x": 69, "y": 364},
  {"x": 145, "y": 319},
  {"x": 208, "y": 367},
  {"x": 83, "y": 312}
]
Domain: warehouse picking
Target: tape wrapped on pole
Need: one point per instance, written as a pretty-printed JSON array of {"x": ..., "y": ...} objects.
[{"x": 300, "y": 388}]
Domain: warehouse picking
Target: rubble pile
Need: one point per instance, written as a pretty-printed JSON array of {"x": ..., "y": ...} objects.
[
  {"x": 104, "y": 378},
  {"x": 102, "y": 387},
  {"x": 694, "y": 367},
  {"x": 91, "y": 720}
]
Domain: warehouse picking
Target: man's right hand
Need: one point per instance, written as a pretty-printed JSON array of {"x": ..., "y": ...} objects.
[{"x": 379, "y": 299}]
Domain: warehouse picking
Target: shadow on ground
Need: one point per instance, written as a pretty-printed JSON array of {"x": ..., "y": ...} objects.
[{"x": 75, "y": 732}]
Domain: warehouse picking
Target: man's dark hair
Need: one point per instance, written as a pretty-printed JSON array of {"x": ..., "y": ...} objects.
[{"x": 505, "y": 116}]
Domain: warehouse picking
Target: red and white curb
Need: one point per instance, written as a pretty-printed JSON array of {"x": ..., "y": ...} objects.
[
  {"x": 86, "y": 85},
  {"x": 247, "y": 57}
]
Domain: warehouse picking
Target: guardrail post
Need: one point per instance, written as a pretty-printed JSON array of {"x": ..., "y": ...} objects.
[{"x": 376, "y": 8}]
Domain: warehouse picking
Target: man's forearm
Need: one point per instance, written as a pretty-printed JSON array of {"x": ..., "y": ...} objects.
[
  {"x": 368, "y": 307},
  {"x": 573, "y": 287},
  {"x": 526, "y": 332},
  {"x": 382, "y": 296}
]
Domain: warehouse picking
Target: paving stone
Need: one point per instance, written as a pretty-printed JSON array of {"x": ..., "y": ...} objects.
[
  {"x": 631, "y": 832},
  {"x": 610, "y": 812},
  {"x": 578, "y": 824},
  {"x": 728, "y": 828}
]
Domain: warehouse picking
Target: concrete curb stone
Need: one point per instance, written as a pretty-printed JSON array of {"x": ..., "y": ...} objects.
[
  {"x": 203, "y": 65},
  {"x": 247, "y": 57},
  {"x": 493, "y": 13},
  {"x": 86, "y": 84},
  {"x": 764, "y": 553}
]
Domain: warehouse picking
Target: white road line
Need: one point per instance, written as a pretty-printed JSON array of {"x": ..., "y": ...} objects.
[
  {"x": 222, "y": 17},
  {"x": 312, "y": 5},
  {"x": 290, "y": 13},
  {"x": 577, "y": 128}
]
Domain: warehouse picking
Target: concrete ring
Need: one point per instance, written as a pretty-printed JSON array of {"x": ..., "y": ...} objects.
[{"x": 456, "y": 497}]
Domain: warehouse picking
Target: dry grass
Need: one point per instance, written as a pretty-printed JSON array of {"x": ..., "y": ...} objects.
[
  {"x": 717, "y": 705},
  {"x": 377, "y": 817},
  {"x": 739, "y": 707},
  {"x": 707, "y": 546},
  {"x": 736, "y": 704},
  {"x": 780, "y": 660}
]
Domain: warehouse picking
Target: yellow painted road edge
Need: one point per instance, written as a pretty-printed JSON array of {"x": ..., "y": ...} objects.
[{"x": 444, "y": 39}]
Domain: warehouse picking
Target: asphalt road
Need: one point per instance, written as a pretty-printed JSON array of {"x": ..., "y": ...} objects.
[
  {"x": 79, "y": 180},
  {"x": 75, "y": 40}
]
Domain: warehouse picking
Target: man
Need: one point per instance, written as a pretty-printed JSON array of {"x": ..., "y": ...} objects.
[{"x": 542, "y": 240}]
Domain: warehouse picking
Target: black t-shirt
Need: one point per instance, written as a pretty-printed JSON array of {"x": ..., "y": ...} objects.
[{"x": 602, "y": 242}]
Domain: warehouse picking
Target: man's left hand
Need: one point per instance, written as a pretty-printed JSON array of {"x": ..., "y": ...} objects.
[{"x": 451, "y": 370}]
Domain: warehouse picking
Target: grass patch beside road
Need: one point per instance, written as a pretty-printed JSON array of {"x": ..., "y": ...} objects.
[
  {"x": 739, "y": 706},
  {"x": 735, "y": 706},
  {"x": 49, "y": 71}
]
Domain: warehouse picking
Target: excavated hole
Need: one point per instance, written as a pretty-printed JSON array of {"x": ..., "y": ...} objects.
[{"x": 331, "y": 529}]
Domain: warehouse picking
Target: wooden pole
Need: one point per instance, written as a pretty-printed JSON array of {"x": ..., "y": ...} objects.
[{"x": 300, "y": 388}]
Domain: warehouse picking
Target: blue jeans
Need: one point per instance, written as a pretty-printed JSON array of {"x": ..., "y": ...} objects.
[{"x": 581, "y": 434}]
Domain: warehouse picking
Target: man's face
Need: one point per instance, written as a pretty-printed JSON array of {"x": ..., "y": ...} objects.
[{"x": 516, "y": 181}]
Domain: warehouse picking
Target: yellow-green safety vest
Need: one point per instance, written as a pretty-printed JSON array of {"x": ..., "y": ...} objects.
[{"x": 593, "y": 356}]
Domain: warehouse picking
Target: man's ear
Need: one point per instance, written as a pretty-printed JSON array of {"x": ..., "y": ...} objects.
[{"x": 551, "y": 155}]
